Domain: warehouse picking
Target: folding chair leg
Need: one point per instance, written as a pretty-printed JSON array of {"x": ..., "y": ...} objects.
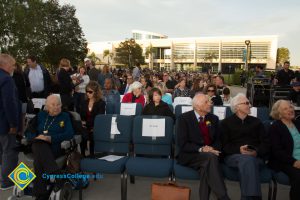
[
  {"x": 274, "y": 190},
  {"x": 123, "y": 186},
  {"x": 132, "y": 179},
  {"x": 270, "y": 191},
  {"x": 80, "y": 193}
]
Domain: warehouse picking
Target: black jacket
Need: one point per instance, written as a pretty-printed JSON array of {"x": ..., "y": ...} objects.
[
  {"x": 98, "y": 108},
  {"x": 23, "y": 86},
  {"x": 217, "y": 100},
  {"x": 250, "y": 131},
  {"x": 189, "y": 138},
  {"x": 65, "y": 82},
  {"x": 282, "y": 145},
  {"x": 162, "y": 110}
]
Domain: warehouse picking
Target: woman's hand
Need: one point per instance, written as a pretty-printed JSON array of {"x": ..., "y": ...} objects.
[
  {"x": 43, "y": 137},
  {"x": 297, "y": 164}
]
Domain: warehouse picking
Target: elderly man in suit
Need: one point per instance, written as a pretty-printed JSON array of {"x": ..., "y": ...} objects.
[{"x": 197, "y": 139}]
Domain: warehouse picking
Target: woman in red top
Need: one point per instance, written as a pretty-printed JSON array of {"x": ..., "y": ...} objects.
[
  {"x": 135, "y": 94},
  {"x": 93, "y": 106}
]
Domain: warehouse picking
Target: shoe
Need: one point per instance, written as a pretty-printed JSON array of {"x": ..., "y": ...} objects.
[{"x": 4, "y": 187}]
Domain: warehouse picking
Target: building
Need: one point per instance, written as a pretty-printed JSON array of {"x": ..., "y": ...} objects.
[{"x": 221, "y": 53}]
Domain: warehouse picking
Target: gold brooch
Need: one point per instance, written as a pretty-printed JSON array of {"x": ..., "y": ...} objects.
[
  {"x": 208, "y": 123},
  {"x": 62, "y": 124}
]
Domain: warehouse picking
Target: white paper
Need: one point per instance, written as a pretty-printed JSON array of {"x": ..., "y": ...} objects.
[
  {"x": 38, "y": 103},
  {"x": 127, "y": 108},
  {"x": 121, "y": 98},
  {"x": 114, "y": 127},
  {"x": 253, "y": 111},
  {"x": 111, "y": 158},
  {"x": 153, "y": 128},
  {"x": 183, "y": 101},
  {"x": 185, "y": 109},
  {"x": 220, "y": 112}
]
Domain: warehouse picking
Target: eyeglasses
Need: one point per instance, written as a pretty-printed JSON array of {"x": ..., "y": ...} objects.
[
  {"x": 245, "y": 103},
  {"x": 210, "y": 90},
  {"x": 89, "y": 92}
]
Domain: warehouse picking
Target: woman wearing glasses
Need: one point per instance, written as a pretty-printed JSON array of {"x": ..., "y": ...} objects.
[
  {"x": 285, "y": 141},
  {"x": 245, "y": 145},
  {"x": 93, "y": 106},
  {"x": 211, "y": 91}
]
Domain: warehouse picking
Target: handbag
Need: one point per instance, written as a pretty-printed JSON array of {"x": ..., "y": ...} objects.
[{"x": 169, "y": 191}]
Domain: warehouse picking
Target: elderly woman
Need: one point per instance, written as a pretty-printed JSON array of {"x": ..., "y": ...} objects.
[
  {"x": 244, "y": 144},
  {"x": 285, "y": 141},
  {"x": 135, "y": 94},
  {"x": 51, "y": 128}
]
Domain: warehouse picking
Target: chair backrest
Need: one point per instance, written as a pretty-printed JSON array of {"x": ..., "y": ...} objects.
[
  {"x": 261, "y": 113},
  {"x": 121, "y": 97},
  {"x": 112, "y": 133},
  {"x": 127, "y": 108},
  {"x": 182, "y": 101},
  {"x": 110, "y": 108},
  {"x": 221, "y": 111},
  {"x": 145, "y": 128},
  {"x": 179, "y": 109}
]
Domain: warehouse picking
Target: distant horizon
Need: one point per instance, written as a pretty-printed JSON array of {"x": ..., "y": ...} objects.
[{"x": 113, "y": 20}]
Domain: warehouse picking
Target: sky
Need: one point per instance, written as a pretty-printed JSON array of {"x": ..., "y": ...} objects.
[{"x": 105, "y": 20}]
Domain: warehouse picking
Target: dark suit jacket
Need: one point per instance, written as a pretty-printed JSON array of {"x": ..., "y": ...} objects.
[
  {"x": 282, "y": 145},
  {"x": 189, "y": 138},
  {"x": 98, "y": 108}
]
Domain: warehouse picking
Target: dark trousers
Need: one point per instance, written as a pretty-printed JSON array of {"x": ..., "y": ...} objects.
[
  {"x": 44, "y": 162},
  {"x": 248, "y": 167},
  {"x": 294, "y": 175},
  {"x": 83, "y": 145},
  {"x": 78, "y": 101},
  {"x": 41, "y": 94},
  {"x": 211, "y": 179},
  {"x": 67, "y": 102},
  {"x": 8, "y": 157}
]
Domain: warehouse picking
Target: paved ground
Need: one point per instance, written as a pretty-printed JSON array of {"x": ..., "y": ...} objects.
[{"x": 109, "y": 188}]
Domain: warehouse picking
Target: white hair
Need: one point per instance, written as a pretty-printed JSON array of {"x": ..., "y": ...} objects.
[
  {"x": 50, "y": 97},
  {"x": 195, "y": 100},
  {"x": 235, "y": 101},
  {"x": 135, "y": 85}
]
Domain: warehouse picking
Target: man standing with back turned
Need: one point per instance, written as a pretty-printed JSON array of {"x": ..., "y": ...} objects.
[{"x": 10, "y": 116}]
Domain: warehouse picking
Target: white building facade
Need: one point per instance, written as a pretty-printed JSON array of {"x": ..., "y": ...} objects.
[{"x": 221, "y": 53}]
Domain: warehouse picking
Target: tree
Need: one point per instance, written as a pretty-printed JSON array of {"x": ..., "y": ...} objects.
[
  {"x": 107, "y": 53},
  {"x": 41, "y": 28},
  {"x": 129, "y": 53},
  {"x": 94, "y": 58},
  {"x": 149, "y": 53},
  {"x": 283, "y": 54}
]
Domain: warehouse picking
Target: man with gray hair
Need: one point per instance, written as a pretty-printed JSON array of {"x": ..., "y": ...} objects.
[
  {"x": 197, "y": 133},
  {"x": 10, "y": 120},
  {"x": 245, "y": 145}
]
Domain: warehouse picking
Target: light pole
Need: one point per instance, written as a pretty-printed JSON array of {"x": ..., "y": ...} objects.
[{"x": 247, "y": 42}]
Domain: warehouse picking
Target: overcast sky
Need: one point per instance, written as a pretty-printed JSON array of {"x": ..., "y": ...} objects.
[{"x": 103, "y": 20}]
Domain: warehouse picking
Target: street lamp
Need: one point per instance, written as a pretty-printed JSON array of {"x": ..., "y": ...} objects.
[{"x": 247, "y": 42}]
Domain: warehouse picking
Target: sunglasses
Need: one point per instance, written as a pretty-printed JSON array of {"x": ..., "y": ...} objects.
[
  {"x": 210, "y": 90},
  {"x": 89, "y": 92},
  {"x": 245, "y": 103}
]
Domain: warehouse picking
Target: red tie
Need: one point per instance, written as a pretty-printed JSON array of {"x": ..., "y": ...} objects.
[{"x": 204, "y": 131}]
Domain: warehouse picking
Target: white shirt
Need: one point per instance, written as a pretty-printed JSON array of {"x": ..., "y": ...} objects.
[
  {"x": 82, "y": 86},
  {"x": 36, "y": 79}
]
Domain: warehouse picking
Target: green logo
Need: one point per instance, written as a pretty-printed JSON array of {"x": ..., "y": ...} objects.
[{"x": 22, "y": 176}]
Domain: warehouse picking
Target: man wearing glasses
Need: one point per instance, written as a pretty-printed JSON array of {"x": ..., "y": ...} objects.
[
  {"x": 124, "y": 89},
  {"x": 245, "y": 145}
]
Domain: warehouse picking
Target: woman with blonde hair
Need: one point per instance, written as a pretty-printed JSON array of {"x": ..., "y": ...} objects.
[
  {"x": 285, "y": 141},
  {"x": 66, "y": 85},
  {"x": 93, "y": 106}
]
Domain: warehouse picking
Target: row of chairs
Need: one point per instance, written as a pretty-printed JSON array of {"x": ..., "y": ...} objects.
[{"x": 147, "y": 156}]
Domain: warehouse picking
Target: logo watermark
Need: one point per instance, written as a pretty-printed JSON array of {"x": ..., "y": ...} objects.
[{"x": 22, "y": 176}]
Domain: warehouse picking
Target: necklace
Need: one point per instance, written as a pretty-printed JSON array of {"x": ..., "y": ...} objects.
[{"x": 46, "y": 130}]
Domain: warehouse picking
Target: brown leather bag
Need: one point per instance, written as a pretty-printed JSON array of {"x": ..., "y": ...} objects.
[{"x": 169, "y": 191}]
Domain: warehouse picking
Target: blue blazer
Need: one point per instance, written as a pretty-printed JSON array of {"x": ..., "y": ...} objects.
[{"x": 10, "y": 106}]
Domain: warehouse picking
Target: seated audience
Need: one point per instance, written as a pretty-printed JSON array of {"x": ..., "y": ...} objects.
[
  {"x": 226, "y": 98},
  {"x": 211, "y": 92},
  {"x": 181, "y": 89},
  {"x": 156, "y": 106},
  {"x": 294, "y": 95},
  {"x": 135, "y": 94},
  {"x": 196, "y": 87},
  {"x": 51, "y": 128},
  {"x": 285, "y": 141},
  {"x": 219, "y": 80},
  {"x": 93, "y": 106},
  {"x": 198, "y": 146},
  {"x": 245, "y": 145}
]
